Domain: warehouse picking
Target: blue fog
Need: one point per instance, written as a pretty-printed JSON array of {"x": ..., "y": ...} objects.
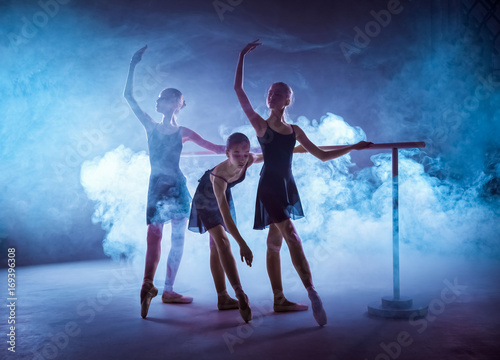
[{"x": 73, "y": 161}]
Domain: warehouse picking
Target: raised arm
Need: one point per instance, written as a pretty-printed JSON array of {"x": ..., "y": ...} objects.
[
  {"x": 220, "y": 187},
  {"x": 324, "y": 155},
  {"x": 258, "y": 123},
  {"x": 190, "y": 135},
  {"x": 128, "y": 92}
]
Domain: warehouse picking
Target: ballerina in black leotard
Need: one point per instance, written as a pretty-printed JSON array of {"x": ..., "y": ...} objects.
[
  {"x": 277, "y": 197},
  {"x": 168, "y": 196},
  {"x": 213, "y": 211}
]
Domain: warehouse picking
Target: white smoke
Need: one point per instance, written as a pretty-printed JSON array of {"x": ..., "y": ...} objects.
[
  {"x": 117, "y": 183},
  {"x": 345, "y": 211}
]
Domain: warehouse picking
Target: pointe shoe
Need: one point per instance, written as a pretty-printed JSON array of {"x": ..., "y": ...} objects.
[
  {"x": 148, "y": 292},
  {"x": 317, "y": 308},
  {"x": 171, "y": 297},
  {"x": 286, "y": 306},
  {"x": 227, "y": 303},
  {"x": 244, "y": 306}
]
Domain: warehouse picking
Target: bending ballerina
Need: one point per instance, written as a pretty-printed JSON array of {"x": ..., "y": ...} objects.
[
  {"x": 168, "y": 196},
  {"x": 213, "y": 211},
  {"x": 277, "y": 197}
]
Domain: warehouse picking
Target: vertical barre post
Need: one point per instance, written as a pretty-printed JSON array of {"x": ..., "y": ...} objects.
[
  {"x": 396, "y": 306},
  {"x": 395, "y": 224}
]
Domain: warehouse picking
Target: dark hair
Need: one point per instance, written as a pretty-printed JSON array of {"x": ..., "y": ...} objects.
[
  {"x": 236, "y": 138},
  {"x": 172, "y": 92}
]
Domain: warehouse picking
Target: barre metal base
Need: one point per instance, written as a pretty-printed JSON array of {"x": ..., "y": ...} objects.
[{"x": 401, "y": 308}]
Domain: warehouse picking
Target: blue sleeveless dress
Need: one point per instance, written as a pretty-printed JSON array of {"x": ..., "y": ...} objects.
[
  {"x": 205, "y": 213},
  {"x": 277, "y": 195},
  {"x": 168, "y": 195}
]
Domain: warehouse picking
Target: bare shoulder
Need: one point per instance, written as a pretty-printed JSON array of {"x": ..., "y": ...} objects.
[
  {"x": 221, "y": 172},
  {"x": 187, "y": 134},
  {"x": 184, "y": 131},
  {"x": 261, "y": 129},
  {"x": 218, "y": 181},
  {"x": 301, "y": 137},
  {"x": 298, "y": 131}
]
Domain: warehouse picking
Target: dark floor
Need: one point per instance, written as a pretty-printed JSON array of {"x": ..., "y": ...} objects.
[{"x": 90, "y": 310}]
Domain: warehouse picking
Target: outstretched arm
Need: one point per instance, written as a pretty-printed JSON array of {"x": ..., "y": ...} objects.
[
  {"x": 256, "y": 158},
  {"x": 219, "y": 187},
  {"x": 128, "y": 93},
  {"x": 325, "y": 155},
  {"x": 258, "y": 123},
  {"x": 190, "y": 135},
  {"x": 299, "y": 149}
]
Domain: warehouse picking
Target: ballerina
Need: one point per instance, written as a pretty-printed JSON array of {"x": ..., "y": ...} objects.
[
  {"x": 212, "y": 210},
  {"x": 278, "y": 200},
  {"x": 168, "y": 197}
]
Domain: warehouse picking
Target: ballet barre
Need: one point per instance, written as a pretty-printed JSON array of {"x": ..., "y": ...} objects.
[
  {"x": 396, "y": 306},
  {"x": 400, "y": 145},
  {"x": 300, "y": 149}
]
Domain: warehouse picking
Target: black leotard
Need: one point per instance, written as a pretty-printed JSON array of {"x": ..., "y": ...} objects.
[
  {"x": 277, "y": 195},
  {"x": 168, "y": 196},
  {"x": 205, "y": 213}
]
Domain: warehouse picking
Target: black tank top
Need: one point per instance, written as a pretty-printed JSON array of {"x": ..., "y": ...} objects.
[{"x": 277, "y": 150}]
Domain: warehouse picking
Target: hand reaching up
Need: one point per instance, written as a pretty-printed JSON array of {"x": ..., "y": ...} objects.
[
  {"x": 250, "y": 47},
  {"x": 138, "y": 55}
]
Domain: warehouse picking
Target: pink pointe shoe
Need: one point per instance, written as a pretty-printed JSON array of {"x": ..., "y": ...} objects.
[
  {"x": 284, "y": 305},
  {"x": 148, "y": 292},
  {"x": 227, "y": 303},
  {"x": 244, "y": 306},
  {"x": 317, "y": 308},
  {"x": 171, "y": 297}
]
